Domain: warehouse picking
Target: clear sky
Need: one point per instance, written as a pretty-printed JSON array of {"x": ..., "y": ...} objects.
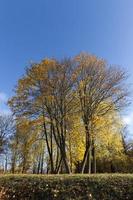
[{"x": 34, "y": 29}]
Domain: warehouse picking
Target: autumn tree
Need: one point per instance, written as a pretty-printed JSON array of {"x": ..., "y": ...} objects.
[
  {"x": 6, "y": 129},
  {"x": 46, "y": 93},
  {"x": 107, "y": 140},
  {"x": 64, "y": 97},
  {"x": 22, "y": 143},
  {"x": 97, "y": 83}
]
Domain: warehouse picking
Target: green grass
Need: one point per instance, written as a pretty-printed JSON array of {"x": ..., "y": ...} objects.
[{"x": 67, "y": 187}]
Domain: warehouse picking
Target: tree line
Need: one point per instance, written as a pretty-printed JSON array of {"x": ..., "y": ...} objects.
[{"x": 66, "y": 118}]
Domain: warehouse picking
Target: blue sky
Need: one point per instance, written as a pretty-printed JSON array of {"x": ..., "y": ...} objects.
[{"x": 34, "y": 29}]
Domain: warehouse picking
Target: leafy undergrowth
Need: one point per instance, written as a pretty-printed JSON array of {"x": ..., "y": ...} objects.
[{"x": 67, "y": 187}]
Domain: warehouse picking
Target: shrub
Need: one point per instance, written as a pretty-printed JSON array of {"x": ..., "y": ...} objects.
[{"x": 66, "y": 187}]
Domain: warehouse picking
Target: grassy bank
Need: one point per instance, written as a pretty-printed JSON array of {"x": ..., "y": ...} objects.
[{"x": 67, "y": 187}]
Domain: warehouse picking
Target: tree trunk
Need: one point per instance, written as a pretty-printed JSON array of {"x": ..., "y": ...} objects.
[
  {"x": 70, "y": 153},
  {"x": 49, "y": 149},
  {"x": 65, "y": 161},
  {"x": 39, "y": 163},
  {"x": 13, "y": 164},
  {"x": 59, "y": 166},
  {"x": 94, "y": 158},
  {"x": 6, "y": 164},
  {"x": 42, "y": 160},
  {"x": 24, "y": 166},
  {"x": 86, "y": 163},
  {"x": 60, "y": 141}
]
